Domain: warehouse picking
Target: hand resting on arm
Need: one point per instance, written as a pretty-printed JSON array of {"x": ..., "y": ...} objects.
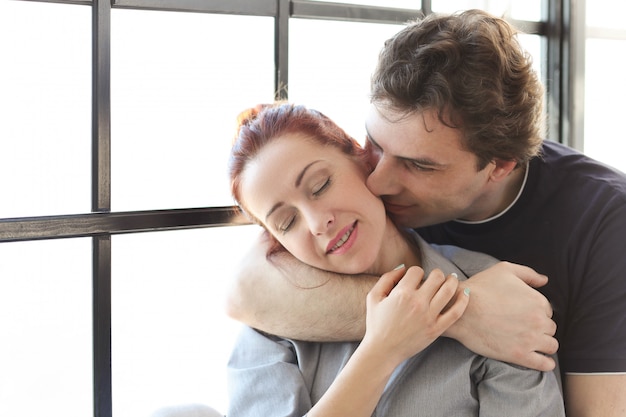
[
  {"x": 506, "y": 318},
  {"x": 404, "y": 316}
]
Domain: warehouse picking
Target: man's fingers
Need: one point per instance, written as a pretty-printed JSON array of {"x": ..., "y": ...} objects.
[
  {"x": 547, "y": 344},
  {"x": 527, "y": 274},
  {"x": 540, "y": 362}
]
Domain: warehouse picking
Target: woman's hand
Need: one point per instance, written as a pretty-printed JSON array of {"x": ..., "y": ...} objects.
[{"x": 406, "y": 314}]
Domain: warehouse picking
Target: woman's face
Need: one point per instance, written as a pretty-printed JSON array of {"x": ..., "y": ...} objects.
[{"x": 314, "y": 200}]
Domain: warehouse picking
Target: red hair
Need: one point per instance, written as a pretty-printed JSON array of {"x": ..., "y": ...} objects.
[{"x": 260, "y": 125}]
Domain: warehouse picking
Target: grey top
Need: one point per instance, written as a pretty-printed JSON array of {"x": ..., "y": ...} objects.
[{"x": 271, "y": 376}]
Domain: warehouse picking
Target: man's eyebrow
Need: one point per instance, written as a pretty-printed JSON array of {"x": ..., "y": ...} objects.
[
  {"x": 421, "y": 161},
  {"x": 297, "y": 184}
]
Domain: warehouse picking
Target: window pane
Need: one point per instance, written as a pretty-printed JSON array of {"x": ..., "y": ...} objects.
[
  {"x": 45, "y": 123},
  {"x": 46, "y": 327},
  {"x": 171, "y": 338},
  {"x": 516, "y": 9},
  {"x": 532, "y": 44},
  {"x": 606, "y": 14},
  {"x": 178, "y": 84},
  {"x": 332, "y": 72},
  {"x": 604, "y": 66},
  {"x": 402, "y": 4}
]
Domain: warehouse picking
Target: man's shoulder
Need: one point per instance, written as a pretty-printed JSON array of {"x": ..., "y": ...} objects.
[{"x": 567, "y": 172}]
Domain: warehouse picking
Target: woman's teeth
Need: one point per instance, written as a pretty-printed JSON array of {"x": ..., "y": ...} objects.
[{"x": 343, "y": 239}]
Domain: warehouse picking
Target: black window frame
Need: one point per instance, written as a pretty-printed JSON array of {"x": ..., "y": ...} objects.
[{"x": 100, "y": 224}]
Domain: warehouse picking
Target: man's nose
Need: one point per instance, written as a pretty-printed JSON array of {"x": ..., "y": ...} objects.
[{"x": 383, "y": 180}]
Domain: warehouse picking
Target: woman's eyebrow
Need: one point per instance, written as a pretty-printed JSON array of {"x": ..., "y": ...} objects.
[
  {"x": 297, "y": 184},
  {"x": 304, "y": 170}
]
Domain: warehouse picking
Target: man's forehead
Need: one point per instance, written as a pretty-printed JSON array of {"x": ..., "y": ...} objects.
[{"x": 416, "y": 135}]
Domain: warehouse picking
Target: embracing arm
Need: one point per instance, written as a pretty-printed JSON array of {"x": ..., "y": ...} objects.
[
  {"x": 404, "y": 316},
  {"x": 506, "y": 319},
  {"x": 290, "y": 299}
]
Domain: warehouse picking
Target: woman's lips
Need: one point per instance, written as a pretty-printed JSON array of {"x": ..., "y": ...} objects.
[{"x": 343, "y": 240}]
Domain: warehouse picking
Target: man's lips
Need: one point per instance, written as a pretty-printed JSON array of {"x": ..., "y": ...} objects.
[
  {"x": 341, "y": 238},
  {"x": 394, "y": 208}
]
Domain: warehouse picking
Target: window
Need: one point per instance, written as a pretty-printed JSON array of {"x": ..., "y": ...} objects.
[
  {"x": 605, "y": 39},
  {"x": 116, "y": 232}
]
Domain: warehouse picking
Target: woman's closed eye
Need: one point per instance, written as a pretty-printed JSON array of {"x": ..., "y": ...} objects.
[
  {"x": 316, "y": 191},
  {"x": 287, "y": 224},
  {"x": 321, "y": 188}
]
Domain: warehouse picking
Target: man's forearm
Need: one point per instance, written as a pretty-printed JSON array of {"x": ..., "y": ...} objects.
[
  {"x": 290, "y": 299},
  {"x": 507, "y": 319}
]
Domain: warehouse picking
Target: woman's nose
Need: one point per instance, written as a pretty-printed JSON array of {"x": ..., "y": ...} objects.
[{"x": 320, "y": 222}]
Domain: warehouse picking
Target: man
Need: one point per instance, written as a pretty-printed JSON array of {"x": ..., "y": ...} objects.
[{"x": 454, "y": 140}]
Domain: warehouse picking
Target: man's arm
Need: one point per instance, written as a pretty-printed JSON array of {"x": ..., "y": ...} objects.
[
  {"x": 290, "y": 299},
  {"x": 595, "y": 395},
  {"x": 506, "y": 319}
]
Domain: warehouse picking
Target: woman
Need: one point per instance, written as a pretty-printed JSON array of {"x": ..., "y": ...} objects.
[{"x": 298, "y": 175}]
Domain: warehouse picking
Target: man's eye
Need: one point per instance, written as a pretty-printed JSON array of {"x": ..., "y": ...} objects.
[
  {"x": 319, "y": 190},
  {"x": 418, "y": 167}
]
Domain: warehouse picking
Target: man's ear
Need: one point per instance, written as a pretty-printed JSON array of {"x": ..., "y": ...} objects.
[{"x": 503, "y": 167}]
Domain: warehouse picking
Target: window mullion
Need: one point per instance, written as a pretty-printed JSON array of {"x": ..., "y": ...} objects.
[{"x": 101, "y": 202}]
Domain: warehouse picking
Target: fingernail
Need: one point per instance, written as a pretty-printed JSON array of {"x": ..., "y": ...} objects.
[
  {"x": 398, "y": 267},
  {"x": 455, "y": 275},
  {"x": 466, "y": 291}
]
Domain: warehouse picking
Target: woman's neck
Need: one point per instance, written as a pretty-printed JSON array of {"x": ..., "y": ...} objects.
[{"x": 397, "y": 248}]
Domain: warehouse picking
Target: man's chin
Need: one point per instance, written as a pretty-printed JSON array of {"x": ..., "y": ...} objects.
[
  {"x": 404, "y": 220},
  {"x": 413, "y": 220}
]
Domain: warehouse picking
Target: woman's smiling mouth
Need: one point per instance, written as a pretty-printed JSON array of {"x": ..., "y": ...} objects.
[{"x": 339, "y": 241}]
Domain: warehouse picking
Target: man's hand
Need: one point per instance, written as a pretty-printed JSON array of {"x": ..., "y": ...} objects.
[{"x": 507, "y": 319}]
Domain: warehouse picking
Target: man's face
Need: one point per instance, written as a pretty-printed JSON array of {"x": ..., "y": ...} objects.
[{"x": 421, "y": 170}]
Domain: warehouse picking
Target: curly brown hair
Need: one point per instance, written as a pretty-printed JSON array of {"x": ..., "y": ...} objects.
[{"x": 471, "y": 69}]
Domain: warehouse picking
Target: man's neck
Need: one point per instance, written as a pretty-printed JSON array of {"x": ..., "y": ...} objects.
[{"x": 503, "y": 198}]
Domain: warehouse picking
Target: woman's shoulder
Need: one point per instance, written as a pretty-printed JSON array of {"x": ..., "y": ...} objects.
[{"x": 448, "y": 258}]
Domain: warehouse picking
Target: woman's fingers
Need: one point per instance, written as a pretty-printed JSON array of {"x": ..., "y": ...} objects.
[
  {"x": 386, "y": 283},
  {"x": 410, "y": 278},
  {"x": 443, "y": 289},
  {"x": 406, "y": 313},
  {"x": 441, "y": 294}
]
